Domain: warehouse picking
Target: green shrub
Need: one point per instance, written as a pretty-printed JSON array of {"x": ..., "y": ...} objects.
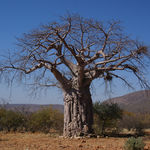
[
  {"x": 45, "y": 119},
  {"x": 134, "y": 144},
  {"x": 57, "y": 119},
  {"x": 106, "y": 116},
  {"x": 41, "y": 121},
  {"x": 10, "y": 120}
]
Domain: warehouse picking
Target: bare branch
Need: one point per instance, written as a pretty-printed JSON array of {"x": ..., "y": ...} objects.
[
  {"x": 123, "y": 79},
  {"x": 72, "y": 50},
  {"x": 22, "y": 69},
  {"x": 77, "y": 50},
  {"x": 45, "y": 85},
  {"x": 114, "y": 60},
  {"x": 64, "y": 82}
]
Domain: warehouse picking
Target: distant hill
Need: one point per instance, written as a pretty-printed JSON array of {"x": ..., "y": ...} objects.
[
  {"x": 32, "y": 107},
  {"x": 134, "y": 102}
]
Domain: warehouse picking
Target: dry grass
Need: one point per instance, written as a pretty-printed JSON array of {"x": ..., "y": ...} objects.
[{"x": 38, "y": 141}]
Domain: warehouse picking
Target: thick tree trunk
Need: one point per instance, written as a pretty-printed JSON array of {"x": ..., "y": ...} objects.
[{"x": 78, "y": 114}]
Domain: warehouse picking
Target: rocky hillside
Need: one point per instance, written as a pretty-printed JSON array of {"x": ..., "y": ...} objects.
[{"x": 134, "y": 102}]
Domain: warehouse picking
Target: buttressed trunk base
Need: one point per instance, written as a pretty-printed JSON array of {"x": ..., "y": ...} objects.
[{"x": 78, "y": 114}]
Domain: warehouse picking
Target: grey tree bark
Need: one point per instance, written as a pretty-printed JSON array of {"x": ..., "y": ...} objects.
[{"x": 78, "y": 114}]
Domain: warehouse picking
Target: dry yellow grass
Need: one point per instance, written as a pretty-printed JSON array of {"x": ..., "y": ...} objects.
[{"x": 38, "y": 141}]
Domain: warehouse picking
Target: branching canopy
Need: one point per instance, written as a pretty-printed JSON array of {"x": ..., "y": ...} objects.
[{"x": 79, "y": 49}]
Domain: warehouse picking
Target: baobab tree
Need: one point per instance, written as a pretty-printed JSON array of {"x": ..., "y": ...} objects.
[{"x": 70, "y": 54}]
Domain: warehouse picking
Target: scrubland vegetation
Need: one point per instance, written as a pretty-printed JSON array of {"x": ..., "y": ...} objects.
[
  {"x": 41, "y": 121},
  {"x": 109, "y": 120},
  {"x": 111, "y": 124}
]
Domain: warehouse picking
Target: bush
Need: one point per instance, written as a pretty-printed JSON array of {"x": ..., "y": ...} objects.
[
  {"x": 10, "y": 120},
  {"x": 57, "y": 119},
  {"x": 135, "y": 121},
  {"x": 41, "y": 121},
  {"x": 134, "y": 144},
  {"x": 106, "y": 116},
  {"x": 46, "y": 119}
]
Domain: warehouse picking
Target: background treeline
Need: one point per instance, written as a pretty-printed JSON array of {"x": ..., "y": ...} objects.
[
  {"x": 109, "y": 119},
  {"x": 45, "y": 120}
]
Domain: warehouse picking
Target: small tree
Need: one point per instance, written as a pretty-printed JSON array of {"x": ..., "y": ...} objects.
[
  {"x": 70, "y": 54},
  {"x": 107, "y": 114}
]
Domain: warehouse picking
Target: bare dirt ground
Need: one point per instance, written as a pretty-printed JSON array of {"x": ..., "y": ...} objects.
[{"x": 38, "y": 141}]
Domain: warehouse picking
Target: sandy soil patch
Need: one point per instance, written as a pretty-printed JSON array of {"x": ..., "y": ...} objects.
[{"x": 38, "y": 141}]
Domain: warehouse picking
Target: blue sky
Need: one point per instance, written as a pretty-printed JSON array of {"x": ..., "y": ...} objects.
[{"x": 21, "y": 16}]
